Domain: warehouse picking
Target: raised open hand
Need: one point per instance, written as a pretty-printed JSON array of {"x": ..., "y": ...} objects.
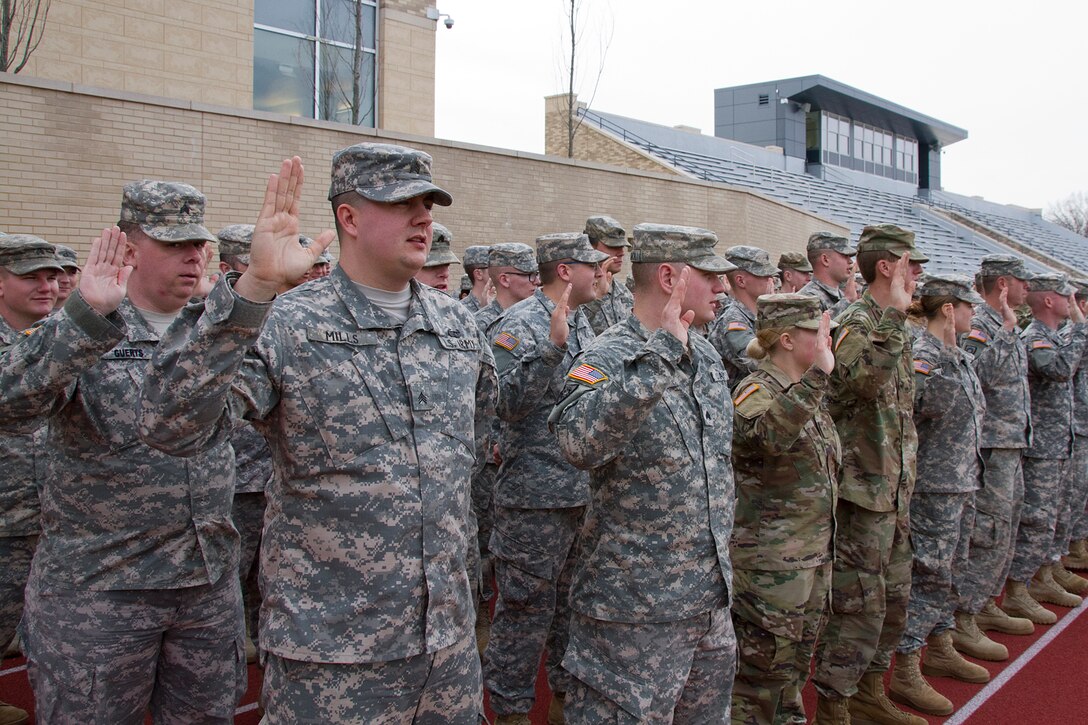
[
  {"x": 104, "y": 281},
  {"x": 673, "y": 317},
  {"x": 1008, "y": 314},
  {"x": 948, "y": 329},
  {"x": 825, "y": 357},
  {"x": 902, "y": 284},
  {"x": 204, "y": 286},
  {"x": 1075, "y": 314},
  {"x": 559, "y": 330}
]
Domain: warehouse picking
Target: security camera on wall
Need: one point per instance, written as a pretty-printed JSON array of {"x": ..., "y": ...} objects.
[{"x": 449, "y": 22}]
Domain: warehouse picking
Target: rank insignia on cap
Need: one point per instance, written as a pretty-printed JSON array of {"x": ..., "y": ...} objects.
[
  {"x": 587, "y": 374},
  {"x": 977, "y": 335},
  {"x": 1041, "y": 345},
  {"x": 507, "y": 341},
  {"x": 746, "y": 394},
  {"x": 921, "y": 366},
  {"x": 736, "y": 327}
]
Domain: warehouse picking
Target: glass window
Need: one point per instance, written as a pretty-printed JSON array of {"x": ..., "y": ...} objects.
[
  {"x": 338, "y": 21},
  {"x": 283, "y": 74},
  {"x": 336, "y": 95},
  {"x": 294, "y": 15}
]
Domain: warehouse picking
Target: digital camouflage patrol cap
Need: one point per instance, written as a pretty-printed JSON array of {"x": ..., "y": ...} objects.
[
  {"x": 656, "y": 243},
  {"x": 513, "y": 254},
  {"x": 949, "y": 285},
  {"x": 1052, "y": 282},
  {"x": 235, "y": 240},
  {"x": 67, "y": 257},
  {"x": 1003, "y": 265},
  {"x": 440, "y": 252},
  {"x": 794, "y": 260},
  {"x": 830, "y": 240},
  {"x": 475, "y": 257},
  {"x": 385, "y": 173},
  {"x": 166, "y": 211},
  {"x": 567, "y": 245},
  {"x": 789, "y": 309},
  {"x": 752, "y": 260},
  {"x": 26, "y": 253},
  {"x": 324, "y": 258},
  {"x": 466, "y": 283},
  {"x": 890, "y": 238},
  {"x": 607, "y": 231}
]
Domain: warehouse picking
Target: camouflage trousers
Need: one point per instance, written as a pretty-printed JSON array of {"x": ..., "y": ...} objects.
[
  {"x": 1044, "y": 479},
  {"x": 16, "y": 553},
  {"x": 1074, "y": 498},
  {"x": 432, "y": 688},
  {"x": 534, "y": 552},
  {"x": 940, "y": 533},
  {"x": 993, "y": 538},
  {"x": 870, "y": 586},
  {"x": 1080, "y": 515},
  {"x": 107, "y": 656},
  {"x": 248, "y": 516},
  {"x": 658, "y": 672},
  {"x": 778, "y": 616},
  {"x": 483, "y": 490}
]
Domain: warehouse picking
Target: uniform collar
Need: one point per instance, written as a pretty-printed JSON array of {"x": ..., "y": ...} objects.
[{"x": 138, "y": 328}]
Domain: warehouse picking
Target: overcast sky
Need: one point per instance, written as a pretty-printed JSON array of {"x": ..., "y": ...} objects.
[{"x": 1011, "y": 74}]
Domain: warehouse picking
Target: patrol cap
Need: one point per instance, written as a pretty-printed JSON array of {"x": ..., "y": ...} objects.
[
  {"x": 1002, "y": 265},
  {"x": 832, "y": 241},
  {"x": 67, "y": 257},
  {"x": 670, "y": 243},
  {"x": 476, "y": 256},
  {"x": 440, "y": 252},
  {"x": 949, "y": 285},
  {"x": 384, "y": 173},
  {"x": 607, "y": 231},
  {"x": 513, "y": 254},
  {"x": 324, "y": 258},
  {"x": 1052, "y": 282},
  {"x": 235, "y": 240},
  {"x": 466, "y": 283},
  {"x": 794, "y": 260},
  {"x": 890, "y": 238},
  {"x": 26, "y": 253},
  {"x": 752, "y": 260},
  {"x": 166, "y": 211},
  {"x": 789, "y": 309},
  {"x": 567, "y": 245},
  {"x": 1082, "y": 287}
]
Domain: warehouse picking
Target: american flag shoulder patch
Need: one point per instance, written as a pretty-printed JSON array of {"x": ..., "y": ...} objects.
[
  {"x": 736, "y": 327},
  {"x": 746, "y": 393},
  {"x": 845, "y": 332},
  {"x": 507, "y": 341},
  {"x": 1041, "y": 345},
  {"x": 921, "y": 366},
  {"x": 587, "y": 374},
  {"x": 977, "y": 335}
]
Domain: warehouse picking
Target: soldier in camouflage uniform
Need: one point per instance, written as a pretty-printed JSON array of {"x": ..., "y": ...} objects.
[
  {"x": 136, "y": 569},
  {"x": 786, "y": 455},
  {"x": 948, "y": 413},
  {"x": 613, "y": 303},
  {"x": 1053, "y": 360},
  {"x": 475, "y": 263},
  {"x": 29, "y": 272},
  {"x": 365, "y": 384},
  {"x": 1001, "y": 363},
  {"x": 831, "y": 257},
  {"x": 646, "y": 411},
  {"x": 436, "y": 270},
  {"x": 68, "y": 280},
  {"x": 753, "y": 275},
  {"x": 253, "y": 460},
  {"x": 872, "y": 401},
  {"x": 1078, "y": 545},
  {"x": 794, "y": 270},
  {"x": 539, "y": 499}
]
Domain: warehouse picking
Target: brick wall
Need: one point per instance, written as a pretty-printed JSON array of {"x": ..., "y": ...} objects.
[
  {"x": 64, "y": 156},
  {"x": 590, "y": 143},
  {"x": 406, "y": 67}
]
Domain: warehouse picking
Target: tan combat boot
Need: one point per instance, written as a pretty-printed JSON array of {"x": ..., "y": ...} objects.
[
  {"x": 555, "y": 709},
  {"x": 871, "y": 705},
  {"x": 1069, "y": 581},
  {"x": 11, "y": 715},
  {"x": 942, "y": 660},
  {"x": 1043, "y": 588},
  {"x": 992, "y": 617},
  {"x": 483, "y": 627},
  {"x": 1018, "y": 602},
  {"x": 1078, "y": 555},
  {"x": 910, "y": 688},
  {"x": 970, "y": 640},
  {"x": 832, "y": 712}
]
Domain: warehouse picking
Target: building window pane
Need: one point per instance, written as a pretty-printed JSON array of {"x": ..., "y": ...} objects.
[
  {"x": 336, "y": 99},
  {"x": 338, "y": 21},
  {"x": 283, "y": 74},
  {"x": 294, "y": 15}
]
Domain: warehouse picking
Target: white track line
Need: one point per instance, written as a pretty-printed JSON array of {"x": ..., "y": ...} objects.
[
  {"x": 12, "y": 671},
  {"x": 246, "y": 708},
  {"x": 1009, "y": 672}
]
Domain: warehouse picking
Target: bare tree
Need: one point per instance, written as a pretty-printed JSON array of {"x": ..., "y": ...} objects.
[
  {"x": 334, "y": 90},
  {"x": 1071, "y": 213},
  {"x": 574, "y": 28},
  {"x": 22, "y": 24}
]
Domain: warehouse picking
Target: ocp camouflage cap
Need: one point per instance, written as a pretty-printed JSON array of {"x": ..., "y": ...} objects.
[
  {"x": 26, "y": 253},
  {"x": 752, "y": 260},
  {"x": 385, "y": 173},
  {"x": 949, "y": 285},
  {"x": 1052, "y": 282},
  {"x": 1001, "y": 265},
  {"x": 832, "y": 241},
  {"x": 655, "y": 243},
  {"x": 607, "y": 231},
  {"x": 794, "y": 260},
  {"x": 513, "y": 254},
  {"x": 475, "y": 256},
  {"x": 567, "y": 245},
  {"x": 235, "y": 240},
  {"x": 440, "y": 252},
  {"x": 67, "y": 256},
  {"x": 166, "y": 211},
  {"x": 890, "y": 238},
  {"x": 789, "y": 309}
]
